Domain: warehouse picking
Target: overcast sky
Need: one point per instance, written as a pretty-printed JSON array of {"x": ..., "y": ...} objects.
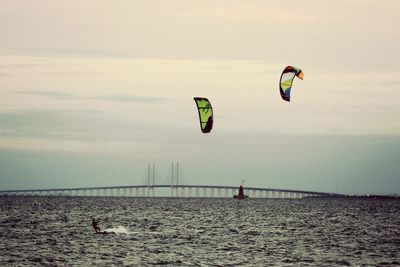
[{"x": 91, "y": 91}]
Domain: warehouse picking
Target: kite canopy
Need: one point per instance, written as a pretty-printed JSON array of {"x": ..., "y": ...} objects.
[
  {"x": 205, "y": 113},
  {"x": 287, "y": 77}
]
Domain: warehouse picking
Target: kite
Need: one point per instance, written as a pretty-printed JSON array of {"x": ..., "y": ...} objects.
[
  {"x": 287, "y": 77},
  {"x": 205, "y": 113}
]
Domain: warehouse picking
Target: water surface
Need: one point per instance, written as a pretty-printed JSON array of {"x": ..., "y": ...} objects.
[{"x": 181, "y": 231}]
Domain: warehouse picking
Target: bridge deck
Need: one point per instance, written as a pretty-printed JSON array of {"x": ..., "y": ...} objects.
[{"x": 164, "y": 186}]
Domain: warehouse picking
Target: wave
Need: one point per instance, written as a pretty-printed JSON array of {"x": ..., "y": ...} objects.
[{"x": 117, "y": 230}]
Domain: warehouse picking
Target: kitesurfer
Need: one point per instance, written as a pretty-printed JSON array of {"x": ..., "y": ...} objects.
[{"x": 95, "y": 226}]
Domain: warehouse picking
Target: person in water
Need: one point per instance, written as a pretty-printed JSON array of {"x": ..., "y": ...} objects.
[{"x": 95, "y": 226}]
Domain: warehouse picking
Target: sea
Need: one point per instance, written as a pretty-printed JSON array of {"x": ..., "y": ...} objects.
[{"x": 57, "y": 231}]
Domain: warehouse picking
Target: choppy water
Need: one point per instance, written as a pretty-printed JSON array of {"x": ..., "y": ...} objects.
[{"x": 219, "y": 232}]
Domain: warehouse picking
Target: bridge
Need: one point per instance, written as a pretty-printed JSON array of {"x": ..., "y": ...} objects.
[
  {"x": 213, "y": 191},
  {"x": 175, "y": 190}
]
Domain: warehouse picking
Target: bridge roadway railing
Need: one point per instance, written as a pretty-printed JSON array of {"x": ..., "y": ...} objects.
[{"x": 213, "y": 191}]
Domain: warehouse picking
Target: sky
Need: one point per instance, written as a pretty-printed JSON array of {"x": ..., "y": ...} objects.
[{"x": 93, "y": 91}]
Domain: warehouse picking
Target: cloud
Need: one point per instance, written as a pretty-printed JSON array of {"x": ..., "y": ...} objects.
[
  {"x": 19, "y": 65},
  {"x": 72, "y": 73},
  {"x": 84, "y": 125},
  {"x": 50, "y": 94},
  {"x": 131, "y": 99},
  {"x": 126, "y": 98}
]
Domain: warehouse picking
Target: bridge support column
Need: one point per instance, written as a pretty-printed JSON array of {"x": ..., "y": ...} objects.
[
  {"x": 204, "y": 192},
  {"x": 197, "y": 192},
  {"x": 226, "y": 192},
  {"x": 212, "y": 192},
  {"x": 219, "y": 192},
  {"x": 183, "y": 192},
  {"x": 190, "y": 192}
]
